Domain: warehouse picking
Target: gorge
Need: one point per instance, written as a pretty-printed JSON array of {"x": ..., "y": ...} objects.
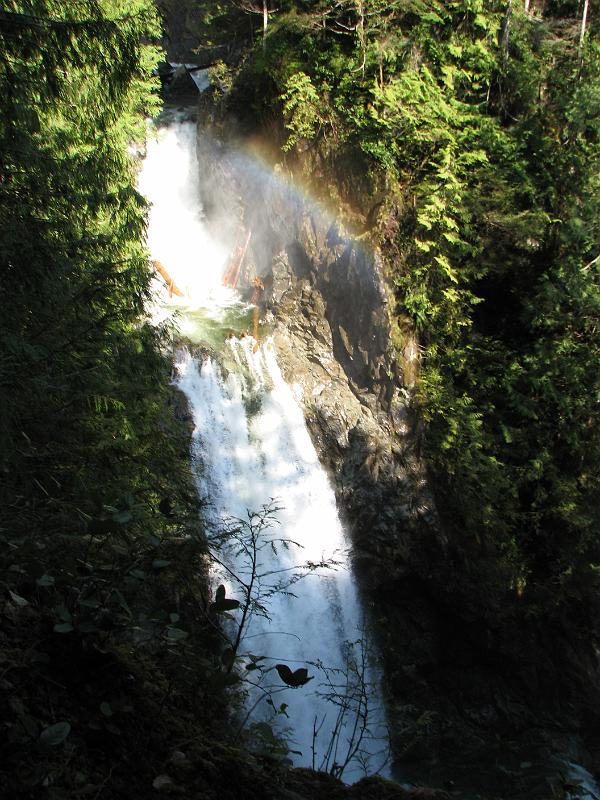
[
  {"x": 299, "y": 380},
  {"x": 328, "y": 316}
]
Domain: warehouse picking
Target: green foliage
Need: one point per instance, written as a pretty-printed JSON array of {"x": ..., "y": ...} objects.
[
  {"x": 97, "y": 505},
  {"x": 55, "y": 734},
  {"x": 300, "y": 108},
  {"x": 221, "y": 77}
]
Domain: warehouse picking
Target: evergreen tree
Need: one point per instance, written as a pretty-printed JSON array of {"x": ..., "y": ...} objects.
[
  {"x": 95, "y": 493},
  {"x": 74, "y": 271}
]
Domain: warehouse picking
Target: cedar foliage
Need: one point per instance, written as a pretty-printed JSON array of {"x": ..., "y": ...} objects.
[{"x": 100, "y": 557}]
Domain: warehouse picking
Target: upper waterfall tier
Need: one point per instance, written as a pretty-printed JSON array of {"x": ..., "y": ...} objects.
[{"x": 177, "y": 235}]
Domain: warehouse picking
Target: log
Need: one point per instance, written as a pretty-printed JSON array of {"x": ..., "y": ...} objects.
[
  {"x": 232, "y": 274},
  {"x": 173, "y": 289}
]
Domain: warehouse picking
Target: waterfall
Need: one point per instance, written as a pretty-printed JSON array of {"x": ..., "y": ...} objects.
[{"x": 270, "y": 511}]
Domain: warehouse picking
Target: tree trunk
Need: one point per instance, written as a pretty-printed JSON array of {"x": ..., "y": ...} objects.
[
  {"x": 506, "y": 31},
  {"x": 360, "y": 9},
  {"x": 265, "y": 23},
  {"x": 583, "y": 24}
]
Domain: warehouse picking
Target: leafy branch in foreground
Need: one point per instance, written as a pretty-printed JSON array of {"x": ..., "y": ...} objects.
[
  {"x": 246, "y": 552},
  {"x": 358, "y": 723}
]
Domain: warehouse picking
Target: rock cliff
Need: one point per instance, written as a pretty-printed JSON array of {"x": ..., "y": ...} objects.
[{"x": 326, "y": 302}]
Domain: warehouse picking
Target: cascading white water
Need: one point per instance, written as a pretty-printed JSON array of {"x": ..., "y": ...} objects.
[
  {"x": 285, "y": 558},
  {"x": 177, "y": 236}
]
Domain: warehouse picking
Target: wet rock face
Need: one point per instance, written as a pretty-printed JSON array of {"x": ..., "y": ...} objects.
[
  {"x": 295, "y": 245},
  {"x": 351, "y": 298},
  {"x": 327, "y": 300},
  {"x": 337, "y": 282}
]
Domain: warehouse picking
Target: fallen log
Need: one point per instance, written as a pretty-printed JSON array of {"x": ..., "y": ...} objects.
[
  {"x": 232, "y": 274},
  {"x": 255, "y": 299},
  {"x": 173, "y": 289}
]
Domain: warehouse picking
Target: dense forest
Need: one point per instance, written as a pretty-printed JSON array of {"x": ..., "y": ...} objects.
[
  {"x": 460, "y": 139},
  {"x": 95, "y": 494}
]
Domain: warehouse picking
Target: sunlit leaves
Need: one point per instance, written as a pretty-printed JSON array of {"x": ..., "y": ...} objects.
[{"x": 301, "y": 107}]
